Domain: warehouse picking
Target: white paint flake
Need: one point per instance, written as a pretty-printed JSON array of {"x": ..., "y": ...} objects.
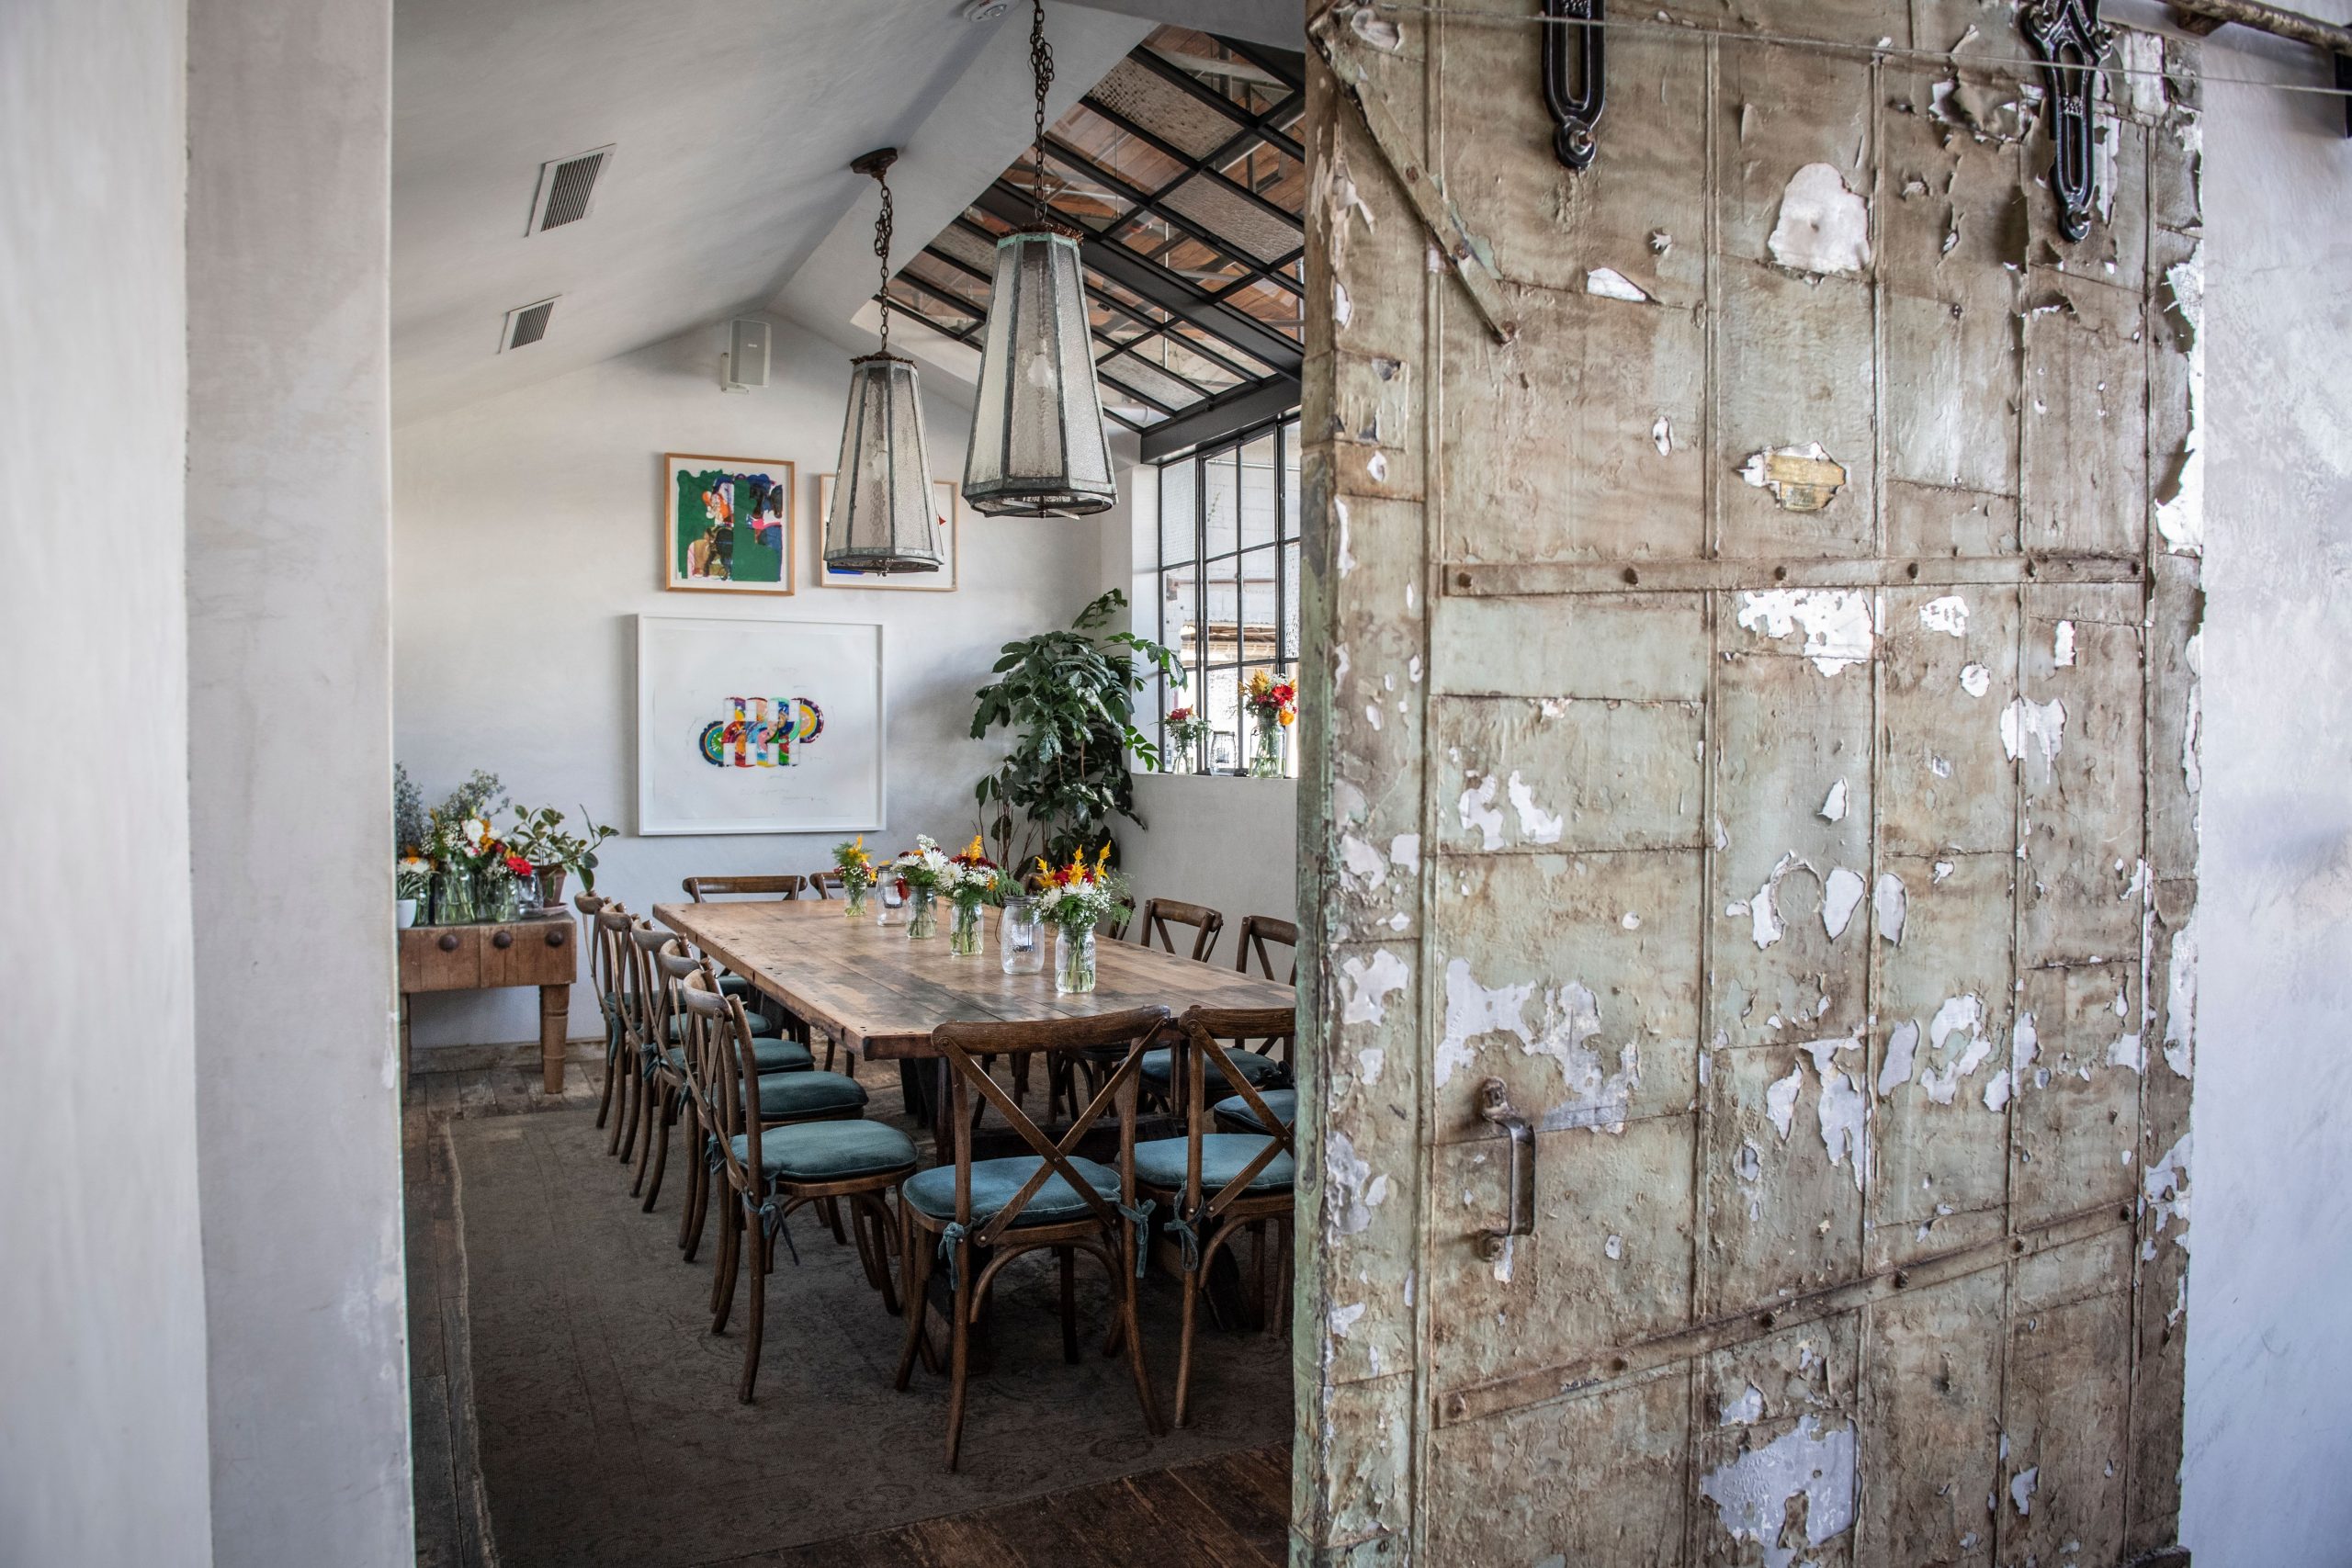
[
  {"x": 1346, "y": 1179},
  {"x": 1833, "y": 804},
  {"x": 1371, "y": 1062},
  {"x": 2180, "y": 1003},
  {"x": 2021, "y": 1489},
  {"x": 1844, "y": 1107},
  {"x": 1764, "y": 918},
  {"x": 1975, "y": 680},
  {"x": 1610, "y": 283},
  {"x": 1662, "y": 436},
  {"x": 1536, "y": 825},
  {"x": 2043, "y": 724},
  {"x": 1360, "y": 861},
  {"x": 1841, "y": 894},
  {"x": 1476, "y": 807},
  {"x": 1824, "y": 226},
  {"x": 1405, "y": 849},
  {"x": 1963, "y": 1016},
  {"x": 1901, "y": 1058},
  {"x": 2165, "y": 1194},
  {"x": 1368, "y": 983},
  {"x": 1472, "y": 1009},
  {"x": 1748, "y": 1163},
  {"x": 2025, "y": 1045},
  {"x": 2128, "y": 1052},
  {"x": 1780, "y": 1100},
  {"x": 1890, "y": 903},
  {"x": 1752, "y": 1493},
  {"x": 1347, "y": 560},
  {"x": 1949, "y": 614},
  {"x": 1614, "y": 1248},
  {"x": 2180, "y": 499},
  {"x": 2061, "y": 648},
  {"x": 1343, "y": 1318},
  {"x": 1836, "y": 622},
  {"x": 1745, "y": 1411}
]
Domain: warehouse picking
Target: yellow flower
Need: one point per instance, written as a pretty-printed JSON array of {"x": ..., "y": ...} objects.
[
  {"x": 1260, "y": 684},
  {"x": 1286, "y": 719},
  {"x": 1102, "y": 860},
  {"x": 974, "y": 851}
]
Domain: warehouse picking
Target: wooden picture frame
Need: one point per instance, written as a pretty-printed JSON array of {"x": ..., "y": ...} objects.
[
  {"x": 729, "y": 525},
  {"x": 946, "y": 579},
  {"x": 751, "y": 725}
]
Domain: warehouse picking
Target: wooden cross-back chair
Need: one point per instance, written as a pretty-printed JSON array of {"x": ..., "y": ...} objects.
[
  {"x": 771, "y": 1164},
  {"x": 599, "y": 979},
  {"x": 1259, "y": 932},
  {"x": 622, "y": 1035},
  {"x": 703, "y": 888},
  {"x": 825, "y": 884},
  {"x": 1161, "y": 914},
  {"x": 998, "y": 1210},
  {"x": 1215, "y": 1184}
]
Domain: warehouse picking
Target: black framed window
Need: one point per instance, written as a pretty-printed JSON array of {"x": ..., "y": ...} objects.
[{"x": 1228, "y": 584}]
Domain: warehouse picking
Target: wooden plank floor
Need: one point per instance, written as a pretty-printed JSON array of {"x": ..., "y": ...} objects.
[{"x": 1229, "y": 1512}]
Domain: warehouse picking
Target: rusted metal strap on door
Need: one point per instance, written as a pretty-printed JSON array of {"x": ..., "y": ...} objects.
[
  {"x": 1331, "y": 33},
  {"x": 1644, "y": 1356},
  {"x": 1480, "y": 580}
]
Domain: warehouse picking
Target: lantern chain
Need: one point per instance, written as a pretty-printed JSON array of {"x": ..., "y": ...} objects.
[
  {"x": 882, "y": 226},
  {"x": 1041, "y": 68}
]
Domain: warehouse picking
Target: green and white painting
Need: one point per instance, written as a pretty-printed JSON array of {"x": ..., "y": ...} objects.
[{"x": 728, "y": 525}]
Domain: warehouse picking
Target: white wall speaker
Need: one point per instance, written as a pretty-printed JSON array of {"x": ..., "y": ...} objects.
[{"x": 746, "y": 362}]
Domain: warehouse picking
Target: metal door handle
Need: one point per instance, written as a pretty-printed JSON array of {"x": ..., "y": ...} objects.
[{"x": 1495, "y": 1106}]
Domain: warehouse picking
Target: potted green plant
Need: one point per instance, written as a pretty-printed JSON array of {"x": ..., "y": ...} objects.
[
  {"x": 540, "y": 838},
  {"x": 1068, "y": 697}
]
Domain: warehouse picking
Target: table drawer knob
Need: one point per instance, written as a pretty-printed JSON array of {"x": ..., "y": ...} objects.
[
  {"x": 556, "y": 934},
  {"x": 504, "y": 939},
  {"x": 449, "y": 941}
]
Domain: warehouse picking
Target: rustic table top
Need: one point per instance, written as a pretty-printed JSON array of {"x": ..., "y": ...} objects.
[{"x": 878, "y": 991}]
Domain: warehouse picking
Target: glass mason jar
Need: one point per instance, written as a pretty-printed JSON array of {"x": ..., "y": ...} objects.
[
  {"x": 453, "y": 897},
  {"x": 1073, "y": 959},
  {"x": 923, "y": 913},
  {"x": 1021, "y": 937},
  {"x": 499, "y": 899},
  {"x": 889, "y": 902},
  {"x": 856, "y": 898},
  {"x": 964, "y": 937},
  {"x": 1266, "y": 752}
]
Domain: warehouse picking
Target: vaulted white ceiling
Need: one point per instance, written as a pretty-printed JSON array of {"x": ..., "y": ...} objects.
[{"x": 733, "y": 121}]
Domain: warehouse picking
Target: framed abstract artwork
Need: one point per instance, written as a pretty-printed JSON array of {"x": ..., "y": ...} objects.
[
  {"x": 950, "y": 538},
  {"x": 759, "y": 726},
  {"x": 728, "y": 525}
]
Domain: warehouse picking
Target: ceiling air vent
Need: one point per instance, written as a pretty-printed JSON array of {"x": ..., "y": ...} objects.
[
  {"x": 567, "y": 189},
  {"x": 526, "y": 325}
]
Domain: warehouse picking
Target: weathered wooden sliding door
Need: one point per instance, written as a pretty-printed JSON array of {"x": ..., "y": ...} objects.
[{"x": 1754, "y": 726}]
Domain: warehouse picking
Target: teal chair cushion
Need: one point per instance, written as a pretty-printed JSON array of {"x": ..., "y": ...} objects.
[
  {"x": 1158, "y": 1065},
  {"x": 994, "y": 1181},
  {"x": 763, "y": 1027},
  {"x": 1161, "y": 1163},
  {"x": 767, "y": 1056},
  {"x": 829, "y": 1151},
  {"x": 784, "y": 1095},
  {"x": 735, "y": 986},
  {"x": 1282, "y": 1102}
]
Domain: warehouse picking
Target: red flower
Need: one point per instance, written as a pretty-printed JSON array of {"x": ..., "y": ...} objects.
[
  {"x": 518, "y": 866},
  {"x": 1179, "y": 716}
]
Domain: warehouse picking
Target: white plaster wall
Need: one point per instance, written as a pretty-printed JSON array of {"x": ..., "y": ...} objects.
[
  {"x": 102, "y": 1380},
  {"x": 2269, "y": 1373},
  {"x": 529, "y": 538},
  {"x": 290, "y": 611},
  {"x": 1231, "y": 843}
]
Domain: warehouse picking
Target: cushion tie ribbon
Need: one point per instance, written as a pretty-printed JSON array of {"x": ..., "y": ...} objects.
[{"x": 1141, "y": 1219}]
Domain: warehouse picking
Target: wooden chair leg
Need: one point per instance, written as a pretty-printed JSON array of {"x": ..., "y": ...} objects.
[
  {"x": 632, "y": 1095},
  {"x": 960, "y": 1354},
  {"x": 916, "y": 1260},
  {"x": 1184, "y": 1342},
  {"x": 830, "y": 1212},
  {"x": 758, "y": 1245},
  {"x": 657, "y": 1105},
  {"x": 696, "y": 1165},
  {"x": 670, "y": 1103},
  {"x": 612, "y": 1072},
  {"x": 1126, "y": 1294},
  {"x": 722, "y": 1279},
  {"x": 1068, "y": 1258},
  {"x": 1021, "y": 1076}
]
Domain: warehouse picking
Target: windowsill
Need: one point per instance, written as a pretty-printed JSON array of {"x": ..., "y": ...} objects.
[{"x": 1221, "y": 778}]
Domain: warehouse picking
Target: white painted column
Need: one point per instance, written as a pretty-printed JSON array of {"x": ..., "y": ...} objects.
[{"x": 289, "y": 763}]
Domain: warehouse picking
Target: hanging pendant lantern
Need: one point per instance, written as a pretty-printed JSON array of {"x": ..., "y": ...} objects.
[
  {"x": 882, "y": 518},
  {"x": 1038, "y": 444}
]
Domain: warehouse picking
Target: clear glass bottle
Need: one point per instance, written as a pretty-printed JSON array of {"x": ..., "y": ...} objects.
[
  {"x": 1073, "y": 959},
  {"x": 453, "y": 897},
  {"x": 1021, "y": 937},
  {"x": 964, "y": 937},
  {"x": 889, "y": 902},
  {"x": 1266, "y": 754},
  {"x": 857, "y": 900}
]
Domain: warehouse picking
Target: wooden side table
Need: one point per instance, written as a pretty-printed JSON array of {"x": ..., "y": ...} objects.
[{"x": 543, "y": 952}]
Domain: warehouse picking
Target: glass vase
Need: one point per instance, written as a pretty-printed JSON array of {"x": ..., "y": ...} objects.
[
  {"x": 1073, "y": 959},
  {"x": 499, "y": 898},
  {"x": 1021, "y": 938},
  {"x": 453, "y": 897},
  {"x": 856, "y": 901},
  {"x": 890, "y": 902},
  {"x": 922, "y": 914},
  {"x": 1266, "y": 751},
  {"x": 964, "y": 937}
]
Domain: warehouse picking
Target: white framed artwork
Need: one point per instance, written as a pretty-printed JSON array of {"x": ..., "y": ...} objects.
[
  {"x": 943, "y": 581},
  {"x": 748, "y": 725}
]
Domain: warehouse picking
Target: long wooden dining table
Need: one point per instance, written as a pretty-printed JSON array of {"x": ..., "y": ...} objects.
[{"x": 875, "y": 991}]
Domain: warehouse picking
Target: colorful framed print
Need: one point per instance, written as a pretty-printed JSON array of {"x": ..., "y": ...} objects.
[
  {"x": 943, "y": 581},
  {"x": 759, "y": 726},
  {"x": 728, "y": 525}
]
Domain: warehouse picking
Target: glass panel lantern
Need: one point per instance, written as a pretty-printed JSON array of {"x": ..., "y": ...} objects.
[
  {"x": 1038, "y": 445},
  {"x": 883, "y": 517}
]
